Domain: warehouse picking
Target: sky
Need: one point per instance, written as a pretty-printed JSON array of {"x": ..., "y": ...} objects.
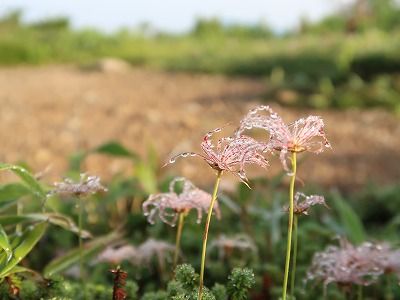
[{"x": 173, "y": 15}]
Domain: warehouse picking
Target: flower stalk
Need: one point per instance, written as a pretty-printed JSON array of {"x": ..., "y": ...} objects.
[
  {"x": 360, "y": 292},
  {"x": 294, "y": 259},
  {"x": 290, "y": 225},
  {"x": 205, "y": 236},
  {"x": 178, "y": 238},
  {"x": 80, "y": 218}
]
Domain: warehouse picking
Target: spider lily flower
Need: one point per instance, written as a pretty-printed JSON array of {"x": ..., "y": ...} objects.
[
  {"x": 301, "y": 208},
  {"x": 305, "y": 134},
  {"x": 169, "y": 205},
  {"x": 87, "y": 185},
  {"x": 230, "y": 153},
  {"x": 348, "y": 264}
]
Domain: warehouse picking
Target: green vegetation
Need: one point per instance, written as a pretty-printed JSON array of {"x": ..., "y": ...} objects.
[
  {"x": 256, "y": 213},
  {"x": 346, "y": 60}
]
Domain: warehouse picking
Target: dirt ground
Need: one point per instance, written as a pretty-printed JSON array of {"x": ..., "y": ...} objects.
[{"x": 50, "y": 112}]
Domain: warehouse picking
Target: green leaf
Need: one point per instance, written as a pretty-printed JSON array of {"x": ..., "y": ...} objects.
[
  {"x": 5, "y": 243},
  {"x": 114, "y": 149},
  {"x": 76, "y": 160},
  {"x": 19, "y": 269},
  {"x": 152, "y": 157},
  {"x": 11, "y": 193},
  {"x": 29, "y": 239},
  {"x": 53, "y": 218},
  {"x": 62, "y": 263},
  {"x": 147, "y": 177},
  {"x": 349, "y": 220},
  {"x": 26, "y": 177}
]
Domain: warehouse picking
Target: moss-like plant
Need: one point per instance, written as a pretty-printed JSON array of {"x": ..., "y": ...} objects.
[{"x": 239, "y": 284}]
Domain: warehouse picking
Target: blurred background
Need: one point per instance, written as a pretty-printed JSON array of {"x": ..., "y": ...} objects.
[
  {"x": 158, "y": 75},
  {"x": 115, "y": 88}
]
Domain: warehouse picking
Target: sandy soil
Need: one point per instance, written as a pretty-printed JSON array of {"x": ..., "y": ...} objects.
[{"x": 49, "y": 112}]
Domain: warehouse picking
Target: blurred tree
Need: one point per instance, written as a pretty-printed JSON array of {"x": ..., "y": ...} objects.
[
  {"x": 214, "y": 27},
  {"x": 59, "y": 23},
  {"x": 11, "y": 19},
  {"x": 359, "y": 15}
]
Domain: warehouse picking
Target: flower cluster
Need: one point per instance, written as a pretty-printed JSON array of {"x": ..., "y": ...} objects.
[
  {"x": 348, "y": 264},
  {"x": 305, "y": 134},
  {"x": 230, "y": 153},
  {"x": 87, "y": 185},
  {"x": 169, "y": 205},
  {"x": 233, "y": 153}
]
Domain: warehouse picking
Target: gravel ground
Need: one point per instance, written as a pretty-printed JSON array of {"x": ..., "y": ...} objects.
[{"x": 50, "y": 112}]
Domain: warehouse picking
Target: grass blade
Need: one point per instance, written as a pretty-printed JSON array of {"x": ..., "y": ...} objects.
[
  {"x": 26, "y": 177},
  {"x": 5, "y": 243},
  {"x": 29, "y": 239},
  {"x": 53, "y": 218},
  {"x": 349, "y": 219},
  {"x": 62, "y": 263}
]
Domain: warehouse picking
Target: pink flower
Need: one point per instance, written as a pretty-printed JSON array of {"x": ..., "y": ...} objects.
[
  {"x": 305, "y": 134},
  {"x": 87, "y": 185},
  {"x": 308, "y": 201},
  {"x": 230, "y": 154},
  {"x": 348, "y": 264},
  {"x": 169, "y": 205}
]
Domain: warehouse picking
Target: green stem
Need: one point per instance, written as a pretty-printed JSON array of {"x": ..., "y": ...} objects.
[
  {"x": 80, "y": 216},
  {"x": 294, "y": 259},
  {"x": 178, "y": 237},
  {"x": 360, "y": 292},
  {"x": 20, "y": 210},
  {"x": 205, "y": 236},
  {"x": 325, "y": 292},
  {"x": 290, "y": 226}
]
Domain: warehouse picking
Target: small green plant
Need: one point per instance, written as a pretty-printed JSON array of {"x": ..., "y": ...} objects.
[
  {"x": 240, "y": 282},
  {"x": 185, "y": 286}
]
